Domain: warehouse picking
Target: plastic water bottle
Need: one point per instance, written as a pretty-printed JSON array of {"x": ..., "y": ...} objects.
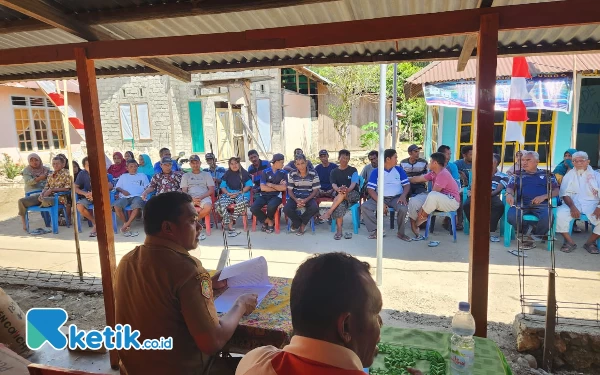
[{"x": 462, "y": 344}]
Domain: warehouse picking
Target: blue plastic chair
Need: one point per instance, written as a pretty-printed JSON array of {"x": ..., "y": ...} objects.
[
  {"x": 354, "y": 210},
  {"x": 91, "y": 208},
  {"x": 509, "y": 232},
  {"x": 464, "y": 199},
  {"x": 582, "y": 218},
  {"x": 51, "y": 211},
  {"x": 466, "y": 222},
  {"x": 45, "y": 215},
  {"x": 451, "y": 215}
]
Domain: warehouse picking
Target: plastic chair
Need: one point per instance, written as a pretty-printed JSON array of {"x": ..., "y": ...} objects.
[
  {"x": 213, "y": 213},
  {"x": 583, "y": 217},
  {"x": 354, "y": 210},
  {"x": 451, "y": 215},
  {"x": 464, "y": 199},
  {"x": 277, "y": 217},
  {"x": 45, "y": 215},
  {"x": 128, "y": 208},
  {"x": 466, "y": 222},
  {"x": 52, "y": 211},
  {"x": 91, "y": 209},
  {"x": 230, "y": 209},
  {"x": 508, "y": 229}
]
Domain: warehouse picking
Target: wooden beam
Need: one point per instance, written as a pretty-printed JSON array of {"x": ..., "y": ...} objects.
[
  {"x": 483, "y": 149},
  {"x": 529, "y": 16},
  {"x": 56, "y": 18},
  {"x": 90, "y": 109},
  {"x": 470, "y": 41},
  {"x": 466, "y": 52}
]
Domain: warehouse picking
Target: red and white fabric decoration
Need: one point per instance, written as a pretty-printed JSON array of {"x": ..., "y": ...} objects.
[
  {"x": 49, "y": 88},
  {"x": 517, "y": 113}
]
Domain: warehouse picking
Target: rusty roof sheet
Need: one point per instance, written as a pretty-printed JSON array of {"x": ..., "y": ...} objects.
[{"x": 442, "y": 71}]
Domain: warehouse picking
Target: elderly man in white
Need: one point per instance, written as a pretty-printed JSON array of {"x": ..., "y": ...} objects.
[{"x": 579, "y": 190}]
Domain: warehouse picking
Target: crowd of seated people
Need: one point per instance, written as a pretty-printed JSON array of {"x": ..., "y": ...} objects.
[{"x": 413, "y": 189}]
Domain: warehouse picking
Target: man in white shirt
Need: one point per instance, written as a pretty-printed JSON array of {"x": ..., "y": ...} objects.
[
  {"x": 395, "y": 195},
  {"x": 130, "y": 187},
  {"x": 201, "y": 187},
  {"x": 580, "y": 190}
]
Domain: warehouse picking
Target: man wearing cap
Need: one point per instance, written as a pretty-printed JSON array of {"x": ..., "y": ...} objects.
[
  {"x": 215, "y": 171},
  {"x": 165, "y": 153},
  {"x": 256, "y": 169},
  {"x": 273, "y": 184},
  {"x": 291, "y": 166},
  {"x": 165, "y": 181},
  {"x": 201, "y": 187},
  {"x": 324, "y": 171},
  {"x": 415, "y": 166}
]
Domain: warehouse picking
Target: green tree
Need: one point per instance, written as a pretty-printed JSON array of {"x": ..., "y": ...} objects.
[{"x": 350, "y": 82}]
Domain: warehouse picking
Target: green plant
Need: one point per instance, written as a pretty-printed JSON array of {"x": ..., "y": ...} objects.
[
  {"x": 11, "y": 169},
  {"x": 370, "y": 137}
]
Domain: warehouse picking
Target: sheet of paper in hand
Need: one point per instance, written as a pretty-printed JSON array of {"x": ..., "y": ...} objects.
[{"x": 249, "y": 277}]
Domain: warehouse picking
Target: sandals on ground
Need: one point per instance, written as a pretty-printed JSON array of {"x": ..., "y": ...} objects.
[
  {"x": 568, "y": 247},
  {"x": 337, "y": 236},
  {"x": 433, "y": 243},
  {"x": 233, "y": 233},
  {"x": 93, "y": 234},
  {"x": 419, "y": 238},
  {"x": 591, "y": 248},
  {"x": 348, "y": 235},
  {"x": 404, "y": 237}
]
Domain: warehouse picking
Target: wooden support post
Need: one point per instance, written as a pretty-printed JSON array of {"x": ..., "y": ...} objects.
[
  {"x": 100, "y": 191},
  {"x": 479, "y": 252},
  {"x": 550, "y": 323}
]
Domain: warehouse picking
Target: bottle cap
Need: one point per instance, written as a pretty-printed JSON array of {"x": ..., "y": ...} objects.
[{"x": 464, "y": 306}]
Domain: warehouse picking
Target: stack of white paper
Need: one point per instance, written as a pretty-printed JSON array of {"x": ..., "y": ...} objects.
[{"x": 249, "y": 277}]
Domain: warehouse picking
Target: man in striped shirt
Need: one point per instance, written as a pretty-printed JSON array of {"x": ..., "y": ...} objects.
[
  {"x": 303, "y": 186},
  {"x": 396, "y": 188},
  {"x": 415, "y": 166}
]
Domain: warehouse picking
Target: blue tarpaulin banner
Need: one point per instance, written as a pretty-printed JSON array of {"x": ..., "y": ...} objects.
[{"x": 547, "y": 91}]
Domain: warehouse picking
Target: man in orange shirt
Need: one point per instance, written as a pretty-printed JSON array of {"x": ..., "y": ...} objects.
[
  {"x": 163, "y": 291},
  {"x": 335, "y": 314}
]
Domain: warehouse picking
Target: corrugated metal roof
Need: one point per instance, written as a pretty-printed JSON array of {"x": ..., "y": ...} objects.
[
  {"x": 514, "y": 42},
  {"x": 441, "y": 71}
]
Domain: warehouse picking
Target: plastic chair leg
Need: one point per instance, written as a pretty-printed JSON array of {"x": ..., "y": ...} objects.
[
  {"x": 392, "y": 217},
  {"x": 46, "y": 217},
  {"x": 277, "y": 219},
  {"x": 207, "y": 224},
  {"x": 453, "y": 221},
  {"x": 78, "y": 221},
  {"x": 27, "y": 220},
  {"x": 333, "y": 225},
  {"x": 54, "y": 214},
  {"x": 355, "y": 218},
  {"x": 253, "y": 223},
  {"x": 114, "y": 222},
  {"x": 427, "y": 226}
]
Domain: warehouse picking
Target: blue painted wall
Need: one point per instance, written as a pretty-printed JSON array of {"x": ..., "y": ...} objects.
[
  {"x": 449, "y": 130},
  {"x": 562, "y": 140},
  {"x": 427, "y": 142}
]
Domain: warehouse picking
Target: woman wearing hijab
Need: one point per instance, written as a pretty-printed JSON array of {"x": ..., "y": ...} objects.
[
  {"x": 129, "y": 156},
  {"x": 235, "y": 189},
  {"x": 564, "y": 166},
  {"x": 34, "y": 176},
  {"x": 145, "y": 166},
  {"x": 119, "y": 167}
]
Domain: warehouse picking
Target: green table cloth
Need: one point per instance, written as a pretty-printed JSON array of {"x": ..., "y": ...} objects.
[{"x": 489, "y": 360}]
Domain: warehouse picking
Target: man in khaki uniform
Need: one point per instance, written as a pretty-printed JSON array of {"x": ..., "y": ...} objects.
[{"x": 163, "y": 291}]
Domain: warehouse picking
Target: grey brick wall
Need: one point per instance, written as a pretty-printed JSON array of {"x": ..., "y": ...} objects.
[{"x": 126, "y": 90}]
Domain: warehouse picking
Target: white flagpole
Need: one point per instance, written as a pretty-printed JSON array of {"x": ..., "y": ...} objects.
[
  {"x": 67, "y": 132},
  {"x": 380, "y": 184}
]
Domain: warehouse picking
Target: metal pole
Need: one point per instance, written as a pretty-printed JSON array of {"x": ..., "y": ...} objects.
[
  {"x": 67, "y": 130},
  {"x": 575, "y": 106},
  {"x": 394, "y": 101},
  {"x": 380, "y": 183}
]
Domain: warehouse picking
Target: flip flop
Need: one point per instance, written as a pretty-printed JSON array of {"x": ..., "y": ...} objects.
[
  {"x": 93, "y": 234},
  {"x": 300, "y": 232},
  {"x": 46, "y": 230},
  {"x": 337, "y": 236},
  {"x": 202, "y": 236},
  {"x": 233, "y": 233},
  {"x": 126, "y": 233},
  {"x": 347, "y": 235},
  {"x": 568, "y": 248},
  {"x": 419, "y": 238},
  {"x": 36, "y": 232},
  {"x": 433, "y": 243},
  {"x": 591, "y": 248},
  {"x": 404, "y": 237}
]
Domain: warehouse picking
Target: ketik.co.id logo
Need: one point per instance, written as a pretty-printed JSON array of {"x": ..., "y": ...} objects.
[{"x": 44, "y": 325}]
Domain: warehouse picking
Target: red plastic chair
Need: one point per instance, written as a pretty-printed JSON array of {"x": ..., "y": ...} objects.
[
  {"x": 207, "y": 217},
  {"x": 277, "y": 217}
]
